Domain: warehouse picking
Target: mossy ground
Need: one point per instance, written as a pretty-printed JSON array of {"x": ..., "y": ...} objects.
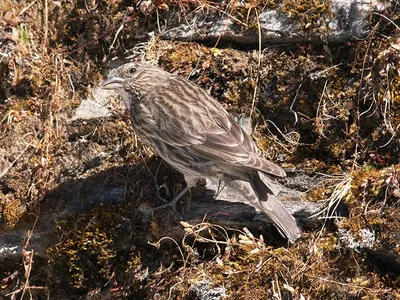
[{"x": 333, "y": 109}]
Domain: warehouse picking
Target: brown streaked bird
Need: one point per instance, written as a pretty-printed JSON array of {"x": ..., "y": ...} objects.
[{"x": 192, "y": 132}]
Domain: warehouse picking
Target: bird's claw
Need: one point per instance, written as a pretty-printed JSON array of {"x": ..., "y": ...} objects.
[
  {"x": 172, "y": 204},
  {"x": 168, "y": 193}
]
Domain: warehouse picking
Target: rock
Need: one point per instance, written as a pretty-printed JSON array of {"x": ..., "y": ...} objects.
[{"x": 342, "y": 21}]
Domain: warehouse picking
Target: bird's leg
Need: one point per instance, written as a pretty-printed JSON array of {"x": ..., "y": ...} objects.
[
  {"x": 172, "y": 203},
  {"x": 168, "y": 194},
  {"x": 190, "y": 182}
]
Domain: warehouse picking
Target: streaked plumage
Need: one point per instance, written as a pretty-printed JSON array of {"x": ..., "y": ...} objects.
[{"x": 193, "y": 133}]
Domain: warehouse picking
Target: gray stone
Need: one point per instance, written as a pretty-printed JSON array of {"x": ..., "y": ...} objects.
[{"x": 349, "y": 22}]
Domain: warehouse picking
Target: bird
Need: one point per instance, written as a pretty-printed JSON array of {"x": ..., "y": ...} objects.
[{"x": 193, "y": 133}]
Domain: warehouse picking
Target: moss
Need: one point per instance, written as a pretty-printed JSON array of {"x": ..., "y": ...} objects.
[
  {"x": 11, "y": 211},
  {"x": 313, "y": 15},
  {"x": 86, "y": 249},
  {"x": 23, "y": 34}
]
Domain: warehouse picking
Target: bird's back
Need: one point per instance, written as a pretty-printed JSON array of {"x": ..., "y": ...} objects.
[{"x": 180, "y": 114}]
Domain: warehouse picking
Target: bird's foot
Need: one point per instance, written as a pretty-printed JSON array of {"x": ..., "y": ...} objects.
[
  {"x": 172, "y": 203},
  {"x": 164, "y": 193}
]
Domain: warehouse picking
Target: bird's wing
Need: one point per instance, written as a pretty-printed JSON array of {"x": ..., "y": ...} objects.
[
  {"x": 206, "y": 130},
  {"x": 226, "y": 141}
]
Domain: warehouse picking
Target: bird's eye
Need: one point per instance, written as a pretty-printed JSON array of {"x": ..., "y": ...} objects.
[{"x": 132, "y": 70}]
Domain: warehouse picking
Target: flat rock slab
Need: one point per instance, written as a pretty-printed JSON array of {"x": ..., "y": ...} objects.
[
  {"x": 340, "y": 21},
  {"x": 210, "y": 202}
]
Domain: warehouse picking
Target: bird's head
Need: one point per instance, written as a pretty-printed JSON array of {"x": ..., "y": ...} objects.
[
  {"x": 133, "y": 78},
  {"x": 118, "y": 77}
]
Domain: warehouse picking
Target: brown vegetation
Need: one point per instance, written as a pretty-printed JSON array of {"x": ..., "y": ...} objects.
[{"x": 331, "y": 109}]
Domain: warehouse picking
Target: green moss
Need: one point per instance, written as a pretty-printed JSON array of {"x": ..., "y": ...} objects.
[
  {"x": 23, "y": 34},
  {"x": 11, "y": 211},
  {"x": 313, "y": 15},
  {"x": 86, "y": 249}
]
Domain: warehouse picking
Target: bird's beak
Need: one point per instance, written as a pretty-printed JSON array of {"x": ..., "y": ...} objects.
[{"x": 112, "y": 83}]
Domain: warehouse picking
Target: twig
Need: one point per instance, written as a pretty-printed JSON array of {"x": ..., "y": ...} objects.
[
  {"x": 258, "y": 70},
  {"x": 318, "y": 108},
  {"x": 393, "y": 23},
  {"x": 46, "y": 21},
  {"x": 381, "y": 291},
  {"x": 4, "y": 172},
  {"x": 227, "y": 14},
  {"x": 158, "y": 244},
  {"x": 117, "y": 33},
  {"x": 28, "y": 7},
  {"x": 294, "y": 101}
]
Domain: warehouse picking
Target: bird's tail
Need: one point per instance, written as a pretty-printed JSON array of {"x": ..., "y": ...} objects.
[
  {"x": 266, "y": 189},
  {"x": 259, "y": 192},
  {"x": 283, "y": 220}
]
